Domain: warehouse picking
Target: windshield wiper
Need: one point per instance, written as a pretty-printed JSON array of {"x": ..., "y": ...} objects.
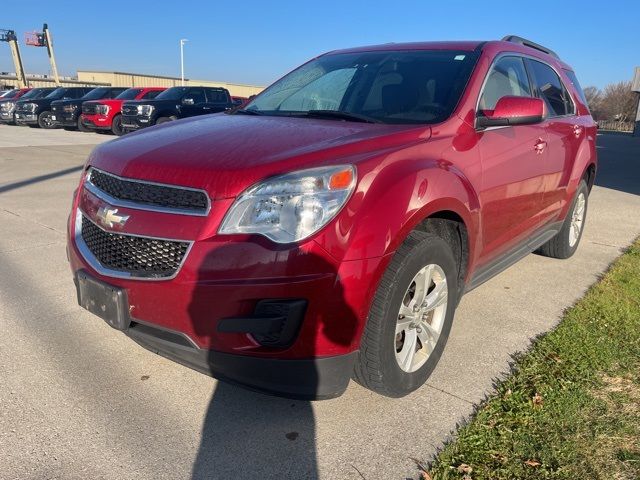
[
  {"x": 341, "y": 115},
  {"x": 245, "y": 111}
]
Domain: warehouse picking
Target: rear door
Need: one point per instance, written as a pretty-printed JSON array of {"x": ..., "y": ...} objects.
[
  {"x": 565, "y": 133},
  {"x": 217, "y": 100},
  {"x": 513, "y": 164}
]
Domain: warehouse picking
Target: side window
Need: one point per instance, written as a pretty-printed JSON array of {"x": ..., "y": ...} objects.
[
  {"x": 508, "y": 77},
  {"x": 151, "y": 94},
  {"x": 551, "y": 90},
  {"x": 216, "y": 96},
  {"x": 197, "y": 94},
  {"x": 576, "y": 85}
]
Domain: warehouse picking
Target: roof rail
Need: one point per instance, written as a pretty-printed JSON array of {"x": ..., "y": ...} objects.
[{"x": 529, "y": 43}]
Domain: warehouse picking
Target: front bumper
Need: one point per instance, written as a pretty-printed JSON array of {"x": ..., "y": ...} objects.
[
  {"x": 96, "y": 122},
  {"x": 65, "y": 119},
  {"x": 135, "y": 122},
  {"x": 7, "y": 117},
  {"x": 22, "y": 118},
  {"x": 226, "y": 278}
]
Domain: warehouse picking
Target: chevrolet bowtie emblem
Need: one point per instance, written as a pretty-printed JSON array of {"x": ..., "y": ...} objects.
[{"x": 109, "y": 217}]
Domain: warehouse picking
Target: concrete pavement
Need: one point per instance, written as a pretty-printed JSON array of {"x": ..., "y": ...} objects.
[{"x": 79, "y": 400}]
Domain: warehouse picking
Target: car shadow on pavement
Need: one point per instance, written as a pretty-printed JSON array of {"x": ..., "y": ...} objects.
[
  {"x": 40, "y": 178},
  {"x": 247, "y": 434}
]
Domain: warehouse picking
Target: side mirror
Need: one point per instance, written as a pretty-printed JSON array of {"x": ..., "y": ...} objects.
[
  {"x": 188, "y": 101},
  {"x": 512, "y": 111}
]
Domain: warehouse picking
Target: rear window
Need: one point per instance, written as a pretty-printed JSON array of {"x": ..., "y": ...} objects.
[
  {"x": 576, "y": 85},
  {"x": 551, "y": 89}
]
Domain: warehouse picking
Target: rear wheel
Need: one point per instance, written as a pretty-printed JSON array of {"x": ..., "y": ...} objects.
[
  {"x": 410, "y": 318},
  {"x": 116, "y": 126},
  {"x": 45, "y": 120},
  {"x": 566, "y": 242}
]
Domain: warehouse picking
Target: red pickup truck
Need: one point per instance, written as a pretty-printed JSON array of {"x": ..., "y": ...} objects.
[{"x": 104, "y": 115}]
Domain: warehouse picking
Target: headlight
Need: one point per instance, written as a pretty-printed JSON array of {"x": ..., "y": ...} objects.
[
  {"x": 70, "y": 108},
  {"x": 29, "y": 107},
  {"x": 102, "y": 109},
  {"x": 145, "y": 110},
  {"x": 291, "y": 207},
  {"x": 8, "y": 106}
]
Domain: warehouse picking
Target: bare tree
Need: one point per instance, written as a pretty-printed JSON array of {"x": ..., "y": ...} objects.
[
  {"x": 619, "y": 102},
  {"x": 594, "y": 101}
]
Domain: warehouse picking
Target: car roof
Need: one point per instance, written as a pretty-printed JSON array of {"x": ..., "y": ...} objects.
[{"x": 492, "y": 45}]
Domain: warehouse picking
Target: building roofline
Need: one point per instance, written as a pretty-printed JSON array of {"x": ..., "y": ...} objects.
[{"x": 167, "y": 77}]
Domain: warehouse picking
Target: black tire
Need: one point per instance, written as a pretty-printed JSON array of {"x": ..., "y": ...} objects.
[
  {"x": 81, "y": 127},
  {"x": 376, "y": 367},
  {"x": 44, "y": 120},
  {"x": 560, "y": 245},
  {"x": 116, "y": 126},
  {"x": 162, "y": 120}
]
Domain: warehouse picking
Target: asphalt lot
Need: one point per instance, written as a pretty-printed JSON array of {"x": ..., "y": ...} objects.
[{"x": 79, "y": 400}]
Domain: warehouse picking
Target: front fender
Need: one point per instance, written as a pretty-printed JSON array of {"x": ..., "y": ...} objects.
[{"x": 392, "y": 199}]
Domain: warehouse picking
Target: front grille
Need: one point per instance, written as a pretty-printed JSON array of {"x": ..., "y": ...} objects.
[
  {"x": 89, "y": 108},
  {"x": 137, "y": 256},
  {"x": 161, "y": 196},
  {"x": 129, "y": 109}
]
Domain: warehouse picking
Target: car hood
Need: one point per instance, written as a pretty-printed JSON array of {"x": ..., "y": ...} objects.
[{"x": 225, "y": 154}]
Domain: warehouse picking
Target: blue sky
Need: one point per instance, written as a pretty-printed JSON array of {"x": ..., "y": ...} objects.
[{"x": 256, "y": 42}]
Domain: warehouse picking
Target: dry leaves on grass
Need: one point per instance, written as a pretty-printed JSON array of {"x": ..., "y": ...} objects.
[
  {"x": 537, "y": 400},
  {"x": 532, "y": 463}
]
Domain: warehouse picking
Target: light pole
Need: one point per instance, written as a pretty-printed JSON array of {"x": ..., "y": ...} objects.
[{"x": 182, "y": 42}]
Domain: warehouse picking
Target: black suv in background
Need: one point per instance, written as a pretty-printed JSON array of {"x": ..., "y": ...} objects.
[
  {"x": 66, "y": 113},
  {"x": 8, "y": 107},
  {"x": 175, "y": 103},
  {"x": 37, "y": 112}
]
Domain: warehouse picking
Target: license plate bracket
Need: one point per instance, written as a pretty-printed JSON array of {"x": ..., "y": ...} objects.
[{"x": 106, "y": 301}]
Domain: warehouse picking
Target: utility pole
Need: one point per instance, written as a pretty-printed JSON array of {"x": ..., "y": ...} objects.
[
  {"x": 10, "y": 37},
  {"x": 182, "y": 42}
]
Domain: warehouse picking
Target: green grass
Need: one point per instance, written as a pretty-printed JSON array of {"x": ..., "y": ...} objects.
[{"x": 571, "y": 407}]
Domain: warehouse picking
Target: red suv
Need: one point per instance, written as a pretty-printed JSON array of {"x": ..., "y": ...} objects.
[
  {"x": 105, "y": 115},
  {"x": 329, "y": 229}
]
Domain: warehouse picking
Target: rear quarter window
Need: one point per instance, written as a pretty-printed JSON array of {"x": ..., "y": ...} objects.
[{"x": 576, "y": 85}]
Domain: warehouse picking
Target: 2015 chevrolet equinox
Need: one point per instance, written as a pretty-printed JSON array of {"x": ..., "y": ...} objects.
[{"x": 328, "y": 230}]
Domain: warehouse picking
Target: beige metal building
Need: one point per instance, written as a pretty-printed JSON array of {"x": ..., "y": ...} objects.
[
  {"x": 89, "y": 78},
  {"x": 123, "y": 79}
]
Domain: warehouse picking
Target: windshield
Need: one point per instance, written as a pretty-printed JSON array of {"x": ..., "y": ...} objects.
[
  {"x": 129, "y": 94},
  {"x": 96, "y": 93},
  {"x": 421, "y": 86},
  {"x": 9, "y": 93},
  {"x": 57, "y": 93},
  {"x": 36, "y": 93},
  {"x": 173, "y": 93}
]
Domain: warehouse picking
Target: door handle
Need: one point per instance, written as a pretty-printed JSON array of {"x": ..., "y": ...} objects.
[
  {"x": 539, "y": 146},
  {"x": 577, "y": 130}
]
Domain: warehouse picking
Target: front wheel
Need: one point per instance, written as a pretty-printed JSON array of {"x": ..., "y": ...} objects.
[
  {"x": 45, "y": 120},
  {"x": 410, "y": 318},
  {"x": 116, "y": 126},
  {"x": 81, "y": 127},
  {"x": 566, "y": 242}
]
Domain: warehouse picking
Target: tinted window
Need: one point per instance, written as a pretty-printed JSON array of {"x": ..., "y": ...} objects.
[
  {"x": 129, "y": 94},
  {"x": 551, "y": 89},
  {"x": 576, "y": 85},
  {"x": 508, "y": 77},
  {"x": 388, "y": 86},
  {"x": 152, "y": 94},
  {"x": 96, "y": 94},
  {"x": 57, "y": 94},
  {"x": 36, "y": 93},
  {"x": 197, "y": 95},
  {"x": 216, "y": 96},
  {"x": 173, "y": 93}
]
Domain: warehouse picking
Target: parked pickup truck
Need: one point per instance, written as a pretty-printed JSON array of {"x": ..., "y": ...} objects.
[
  {"x": 104, "y": 115},
  {"x": 8, "y": 103},
  {"x": 36, "y": 112},
  {"x": 175, "y": 103},
  {"x": 66, "y": 113}
]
